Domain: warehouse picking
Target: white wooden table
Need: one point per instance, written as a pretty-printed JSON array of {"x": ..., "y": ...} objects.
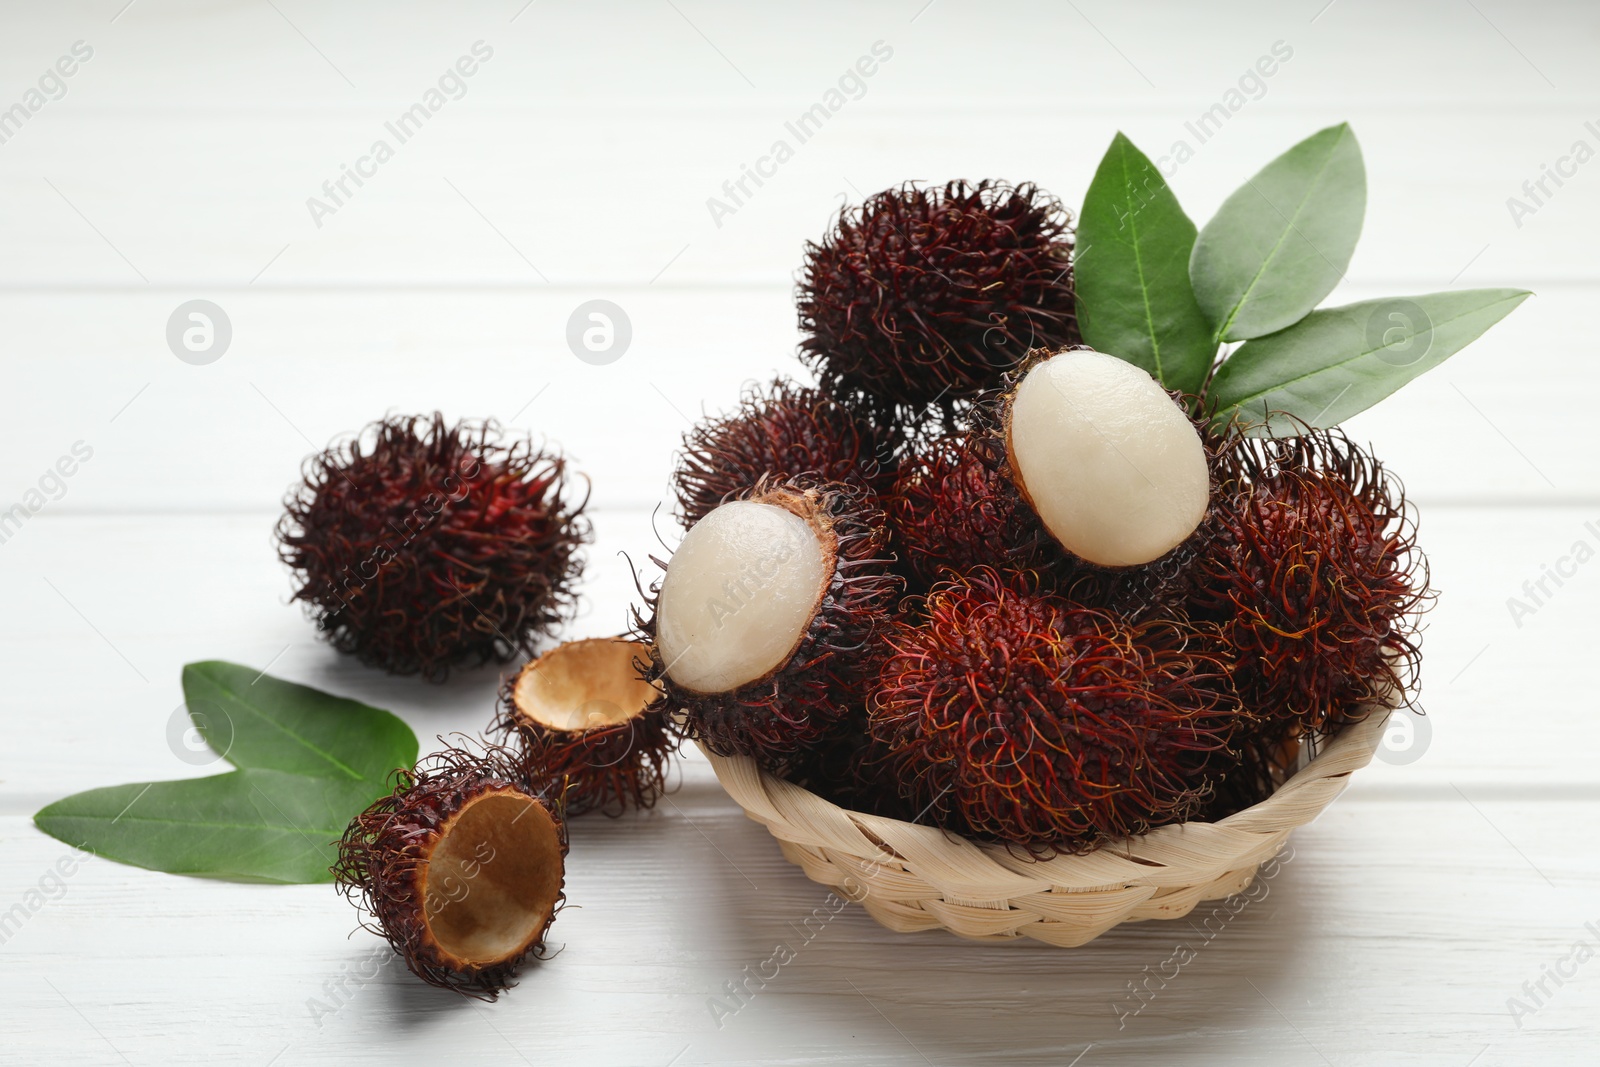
[{"x": 576, "y": 165}]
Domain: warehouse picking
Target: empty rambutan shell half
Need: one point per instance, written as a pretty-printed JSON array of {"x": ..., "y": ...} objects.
[
  {"x": 767, "y": 614},
  {"x": 583, "y": 715},
  {"x": 460, "y": 868},
  {"x": 1114, "y": 468}
]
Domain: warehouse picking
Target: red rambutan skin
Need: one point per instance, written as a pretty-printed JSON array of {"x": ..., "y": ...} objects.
[
  {"x": 951, "y": 511},
  {"x": 802, "y": 702},
  {"x": 385, "y": 850},
  {"x": 1049, "y": 726},
  {"x": 609, "y": 769},
  {"x": 926, "y": 296},
  {"x": 1315, "y": 578},
  {"x": 419, "y": 547},
  {"x": 782, "y": 431}
]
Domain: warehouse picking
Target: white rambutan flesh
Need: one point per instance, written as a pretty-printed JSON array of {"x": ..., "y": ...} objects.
[
  {"x": 1112, "y": 465},
  {"x": 738, "y": 595}
]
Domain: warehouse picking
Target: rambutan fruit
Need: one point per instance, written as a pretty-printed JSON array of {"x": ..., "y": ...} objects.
[
  {"x": 583, "y": 714},
  {"x": 460, "y": 868},
  {"x": 1050, "y": 726},
  {"x": 1113, "y": 466},
  {"x": 952, "y": 511},
  {"x": 1265, "y": 756},
  {"x": 419, "y": 547},
  {"x": 1315, "y": 578},
  {"x": 764, "y": 628},
  {"x": 850, "y": 768},
  {"x": 926, "y": 296},
  {"x": 781, "y": 431}
]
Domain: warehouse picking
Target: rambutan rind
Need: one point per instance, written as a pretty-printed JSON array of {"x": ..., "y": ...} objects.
[
  {"x": 582, "y": 716},
  {"x": 460, "y": 869},
  {"x": 1315, "y": 577},
  {"x": 923, "y": 297},
  {"x": 1048, "y": 726},
  {"x": 420, "y": 547},
  {"x": 781, "y": 431},
  {"x": 951, "y": 510}
]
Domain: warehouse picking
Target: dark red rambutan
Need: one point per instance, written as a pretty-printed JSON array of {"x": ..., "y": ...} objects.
[
  {"x": 1264, "y": 757},
  {"x": 850, "y": 768},
  {"x": 1050, "y": 726},
  {"x": 1316, "y": 579},
  {"x": 951, "y": 511},
  {"x": 419, "y": 547},
  {"x": 765, "y": 626},
  {"x": 460, "y": 869},
  {"x": 782, "y": 431},
  {"x": 924, "y": 296},
  {"x": 582, "y": 715}
]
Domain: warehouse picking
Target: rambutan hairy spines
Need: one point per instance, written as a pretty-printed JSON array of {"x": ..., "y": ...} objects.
[
  {"x": 1315, "y": 577},
  {"x": 1049, "y": 726},
  {"x": 460, "y": 868},
  {"x": 951, "y": 511},
  {"x": 760, "y": 704},
  {"x": 783, "y": 430},
  {"x": 420, "y": 546},
  {"x": 582, "y": 716},
  {"x": 923, "y": 296}
]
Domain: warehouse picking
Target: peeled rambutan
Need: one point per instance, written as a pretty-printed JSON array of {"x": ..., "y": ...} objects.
[
  {"x": 1113, "y": 466},
  {"x": 951, "y": 511},
  {"x": 782, "y": 431},
  {"x": 925, "y": 296},
  {"x": 460, "y": 868},
  {"x": 583, "y": 714},
  {"x": 419, "y": 547},
  {"x": 1049, "y": 726},
  {"x": 765, "y": 626},
  {"x": 1315, "y": 578}
]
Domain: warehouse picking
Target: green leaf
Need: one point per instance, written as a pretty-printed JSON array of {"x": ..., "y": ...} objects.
[
  {"x": 1132, "y": 274},
  {"x": 1342, "y": 360},
  {"x": 1281, "y": 243},
  {"x": 256, "y": 721},
  {"x": 248, "y": 825}
]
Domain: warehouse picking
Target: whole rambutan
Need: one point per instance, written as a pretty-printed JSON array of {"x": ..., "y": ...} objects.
[
  {"x": 925, "y": 296},
  {"x": 1315, "y": 578},
  {"x": 951, "y": 511},
  {"x": 781, "y": 431},
  {"x": 583, "y": 714},
  {"x": 419, "y": 546},
  {"x": 764, "y": 628},
  {"x": 460, "y": 868},
  {"x": 1050, "y": 726}
]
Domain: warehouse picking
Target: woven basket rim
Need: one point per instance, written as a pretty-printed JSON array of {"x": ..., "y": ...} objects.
[{"x": 1170, "y": 856}]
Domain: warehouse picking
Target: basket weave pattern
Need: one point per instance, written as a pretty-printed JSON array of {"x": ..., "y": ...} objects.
[{"x": 912, "y": 877}]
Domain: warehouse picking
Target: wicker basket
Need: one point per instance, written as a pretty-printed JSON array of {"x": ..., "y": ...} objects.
[{"x": 912, "y": 877}]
